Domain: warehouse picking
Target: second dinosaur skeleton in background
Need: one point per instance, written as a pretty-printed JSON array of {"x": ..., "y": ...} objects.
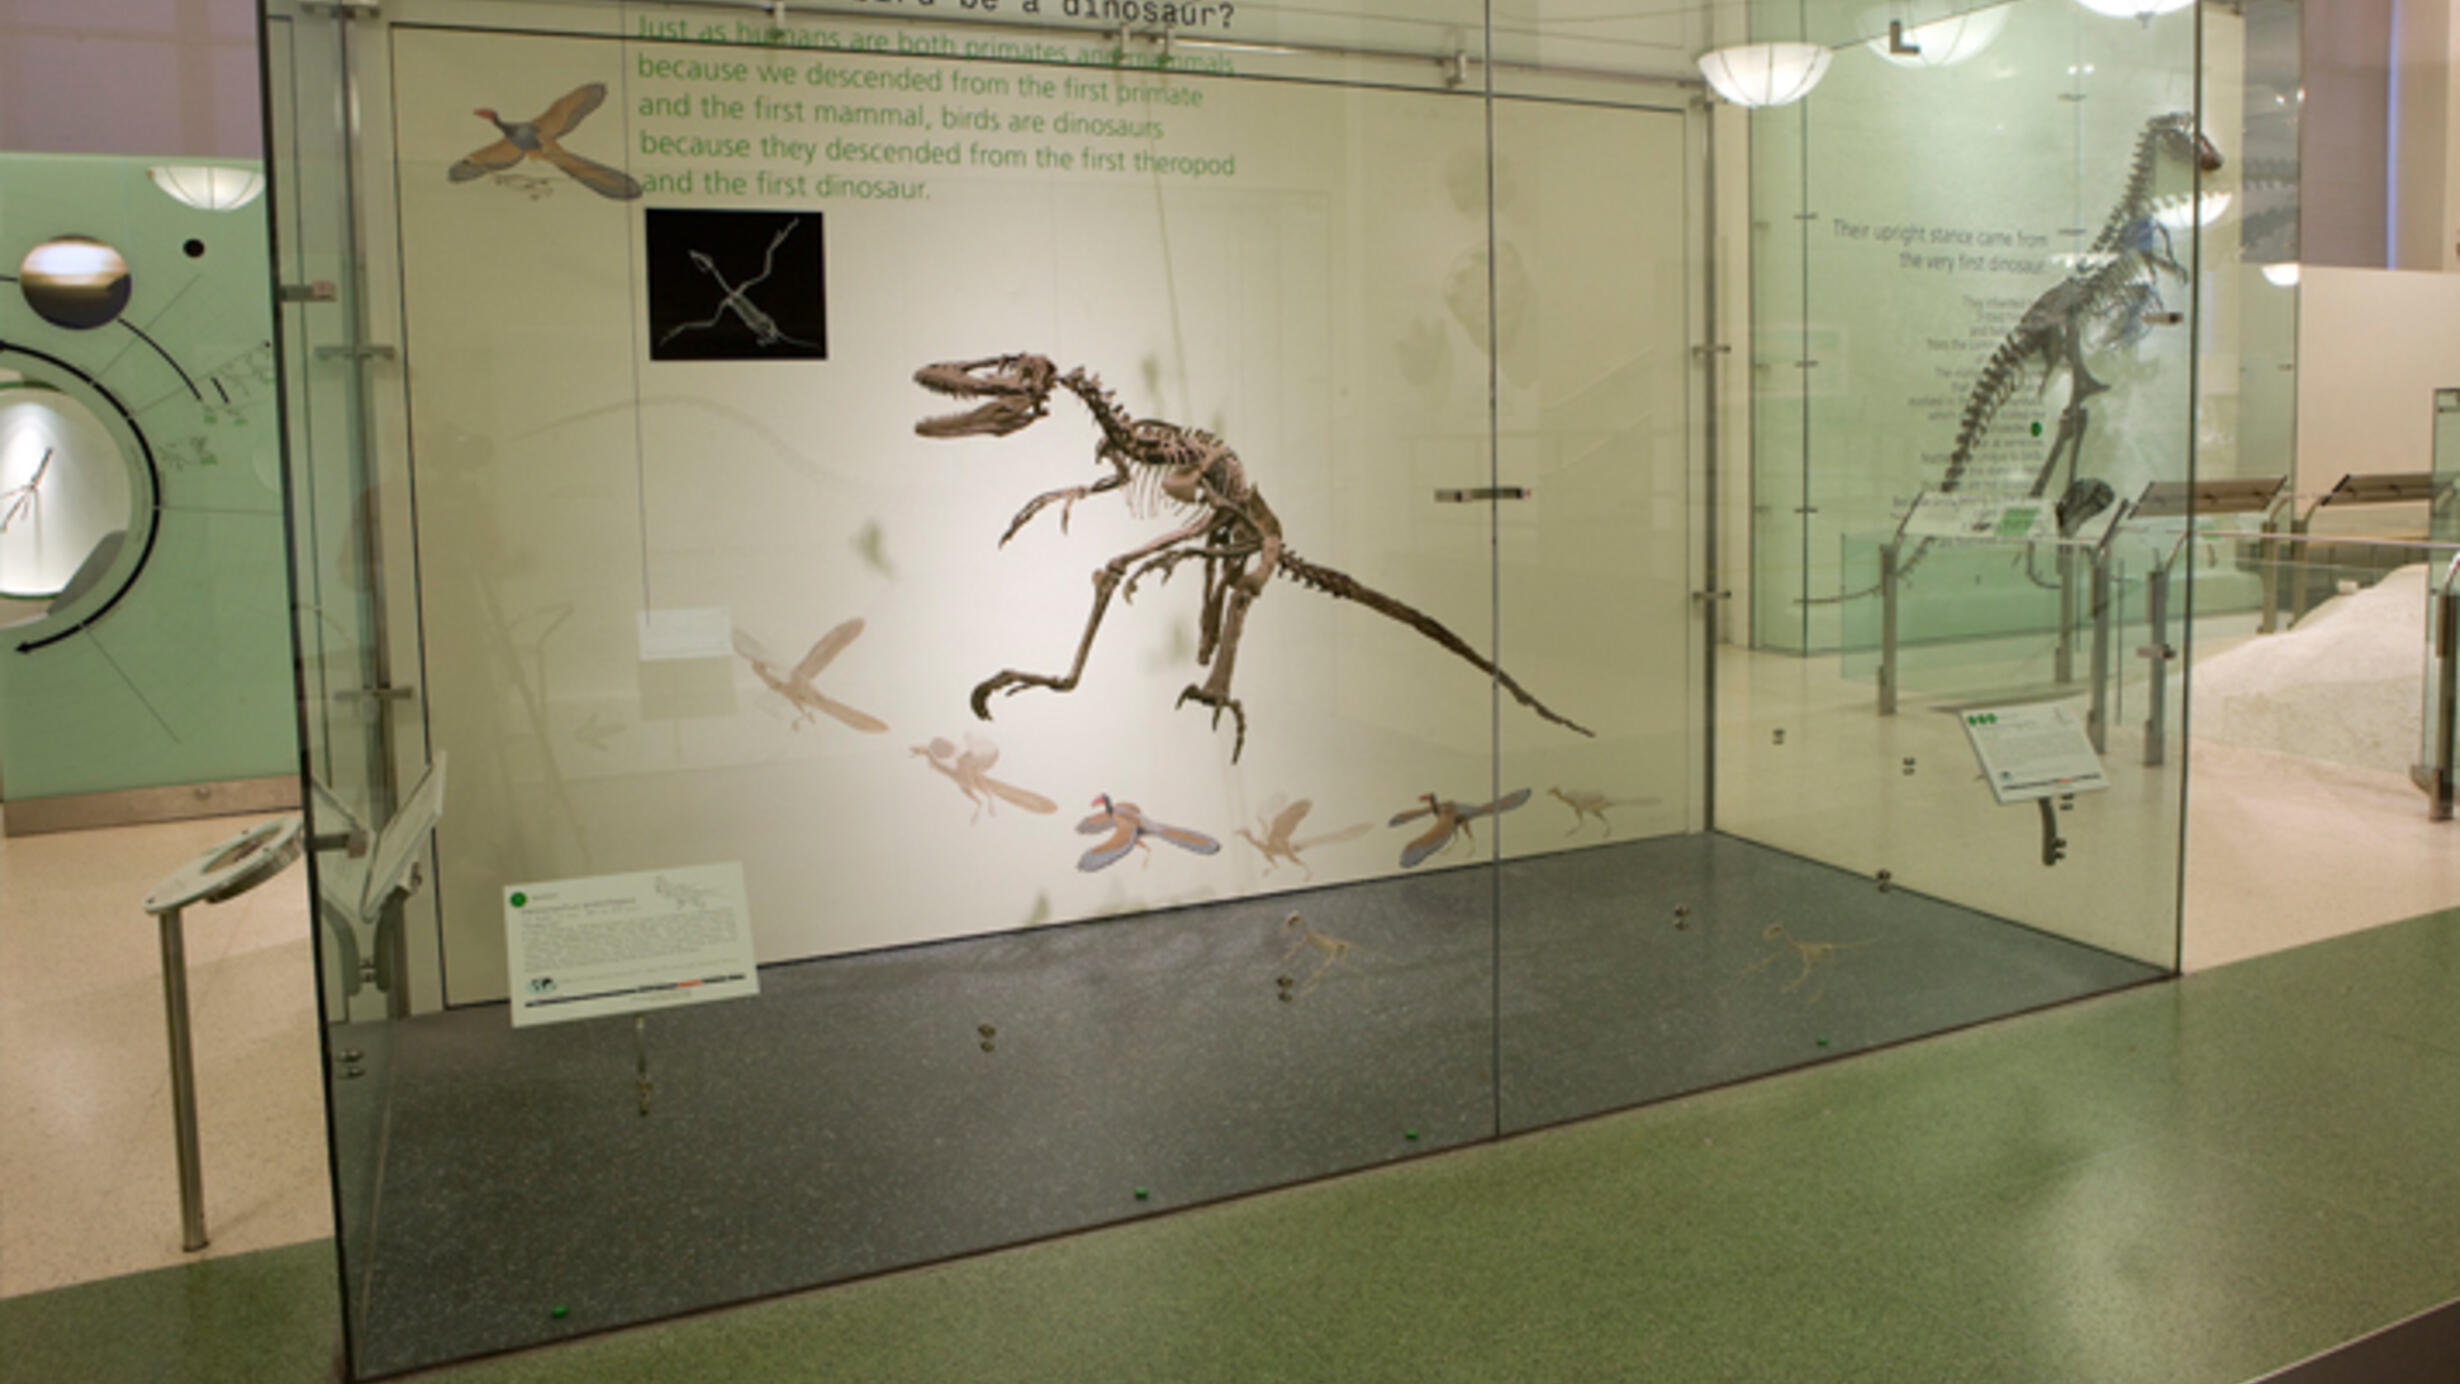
[
  {"x": 2103, "y": 301},
  {"x": 1228, "y": 526}
]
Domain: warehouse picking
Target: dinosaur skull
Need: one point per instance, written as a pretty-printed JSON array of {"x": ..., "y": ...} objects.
[
  {"x": 1016, "y": 391},
  {"x": 2182, "y": 141}
]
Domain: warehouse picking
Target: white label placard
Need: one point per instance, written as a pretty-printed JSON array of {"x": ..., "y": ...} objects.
[
  {"x": 705, "y": 632},
  {"x": 1979, "y": 518},
  {"x": 614, "y": 944},
  {"x": 2033, "y": 752}
]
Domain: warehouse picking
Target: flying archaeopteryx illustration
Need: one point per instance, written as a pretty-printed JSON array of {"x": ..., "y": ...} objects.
[
  {"x": 970, "y": 771},
  {"x": 1129, "y": 827},
  {"x": 538, "y": 139},
  {"x": 1278, "y": 822},
  {"x": 795, "y": 684},
  {"x": 1451, "y": 819}
]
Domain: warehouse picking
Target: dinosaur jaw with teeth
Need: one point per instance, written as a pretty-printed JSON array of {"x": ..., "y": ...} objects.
[{"x": 1015, "y": 391}]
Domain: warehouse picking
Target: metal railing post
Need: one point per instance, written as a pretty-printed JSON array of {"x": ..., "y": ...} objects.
[{"x": 183, "y": 1082}]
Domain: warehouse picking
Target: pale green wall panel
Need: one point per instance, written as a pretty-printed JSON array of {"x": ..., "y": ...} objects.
[{"x": 186, "y": 677}]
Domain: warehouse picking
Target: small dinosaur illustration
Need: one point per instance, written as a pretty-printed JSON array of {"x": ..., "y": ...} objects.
[
  {"x": 1451, "y": 819},
  {"x": 1129, "y": 827},
  {"x": 970, "y": 771},
  {"x": 539, "y": 139},
  {"x": 1278, "y": 822},
  {"x": 1586, "y": 804},
  {"x": 1192, "y": 475},
  {"x": 1329, "y": 952},
  {"x": 1810, "y": 954},
  {"x": 795, "y": 684}
]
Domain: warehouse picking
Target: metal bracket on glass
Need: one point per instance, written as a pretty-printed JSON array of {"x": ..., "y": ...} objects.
[
  {"x": 1455, "y": 66},
  {"x": 354, "y": 843},
  {"x": 367, "y": 351},
  {"x": 343, "y": 9},
  {"x": 321, "y": 291},
  {"x": 1484, "y": 492},
  {"x": 1707, "y": 349},
  {"x": 1705, "y": 599},
  {"x": 1896, "y": 41}
]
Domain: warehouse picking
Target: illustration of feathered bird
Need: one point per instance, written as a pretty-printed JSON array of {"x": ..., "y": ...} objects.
[
  {"x": 796, "y": 684},
  {"x": 1129, "y": 828},
  {"x": 537, "y": 139},
  {"x": 1279, "y": 822},
  {"x": 970, "y": 771},
  {"x": 1451, "y": 818}
]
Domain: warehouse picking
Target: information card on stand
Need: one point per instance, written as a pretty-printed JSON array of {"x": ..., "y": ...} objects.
[
  {"x": 2033, "y": 752},
  {"x": 617, "y": 944}
]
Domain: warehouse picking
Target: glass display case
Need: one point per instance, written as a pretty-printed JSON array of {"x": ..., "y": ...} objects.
[{"x": 806, "y": 471}]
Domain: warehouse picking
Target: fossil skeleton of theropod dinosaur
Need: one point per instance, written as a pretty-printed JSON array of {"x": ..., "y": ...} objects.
[
  {"x": 1195, "y": 477},
  {"x": 2102, "y": 301}
]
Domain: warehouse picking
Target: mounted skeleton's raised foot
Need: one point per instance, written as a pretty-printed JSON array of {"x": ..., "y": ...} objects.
[
  {"x": 1220, "y": 702},
  {"x": 1009, "y": 682}
]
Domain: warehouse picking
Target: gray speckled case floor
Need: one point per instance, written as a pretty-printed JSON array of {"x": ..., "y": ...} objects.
[{"x": 849, "y": 1120}]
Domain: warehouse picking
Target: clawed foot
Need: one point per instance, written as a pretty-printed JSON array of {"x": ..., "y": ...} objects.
[
  {"x": 1220, "y": 702},
  {"x": 1010, "y": 682}
]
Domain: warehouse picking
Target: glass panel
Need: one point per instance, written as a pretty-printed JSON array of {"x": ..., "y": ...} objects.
[
  {"x": 1596, "y": 207},
  {"x": 1975, "y": 277},
  {"x": 700, "y": 584}
]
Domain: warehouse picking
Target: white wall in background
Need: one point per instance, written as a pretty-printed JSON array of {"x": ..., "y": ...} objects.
[{"x": 2373, "y": 346}]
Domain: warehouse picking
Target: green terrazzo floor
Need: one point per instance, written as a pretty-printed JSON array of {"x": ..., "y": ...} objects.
[{"x": 2202, "y": 1181}]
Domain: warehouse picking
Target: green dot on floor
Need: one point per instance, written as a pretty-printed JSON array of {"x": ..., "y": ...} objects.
[
  {"x": 1141, "y": 1194},
  {"x": 559, "y": 1313},
  {"x": 1823, "y": 1042},
  {"x": 1409, "y": 1134},
  {"x": 2037, "y": 429}
]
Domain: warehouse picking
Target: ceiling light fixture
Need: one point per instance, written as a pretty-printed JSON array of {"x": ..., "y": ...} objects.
[
  {"x": 1765, "y": 74},
  {"x": 208, "y": 187}
]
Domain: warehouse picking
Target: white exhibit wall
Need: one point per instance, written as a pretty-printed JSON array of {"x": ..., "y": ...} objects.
[
  {"x": 1323, "y": 307},
  {"x": 2373, "y": 346}
]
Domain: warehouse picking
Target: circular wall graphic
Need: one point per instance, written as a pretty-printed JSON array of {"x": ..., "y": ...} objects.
[
  {"x": 65, "y": 490},
  {"x": 75, "y": 281}
]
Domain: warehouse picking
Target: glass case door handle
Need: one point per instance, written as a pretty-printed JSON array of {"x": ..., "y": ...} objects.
[{"x": 1484, "y": 492}]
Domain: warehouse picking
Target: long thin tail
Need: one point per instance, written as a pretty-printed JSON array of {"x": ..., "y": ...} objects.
[{"x": 1345, "y": 587}]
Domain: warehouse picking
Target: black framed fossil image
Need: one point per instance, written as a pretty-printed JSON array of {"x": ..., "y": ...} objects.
[{"x": 736, "y": 285}]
